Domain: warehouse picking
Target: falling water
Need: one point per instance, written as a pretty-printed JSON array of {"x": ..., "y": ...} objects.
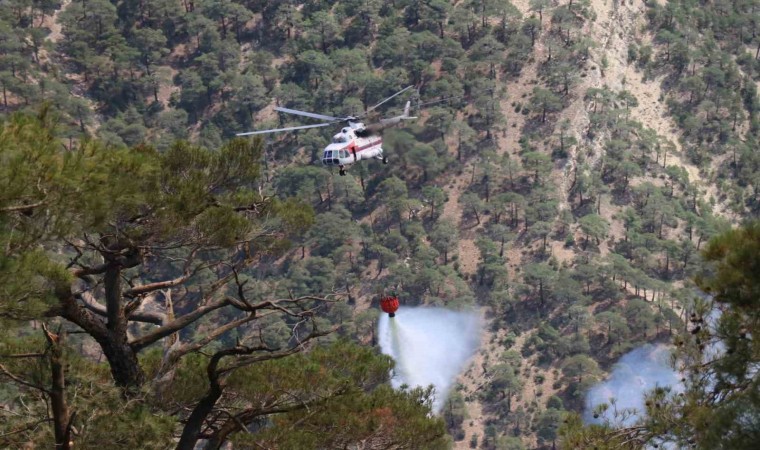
[{"x": 430, "y": 346}]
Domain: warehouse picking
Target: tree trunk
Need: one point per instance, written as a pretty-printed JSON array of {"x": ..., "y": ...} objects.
[
  {"x": 541, "y": 292},
  {"x": 61, "y": 416},
  {"x": 125, "y": 367},
  {"x": 667, "y": 264},
  {"x": 122, "y": 358},
  {"x": 193, "y": 425},
  {"x": 220, "y": 437}
]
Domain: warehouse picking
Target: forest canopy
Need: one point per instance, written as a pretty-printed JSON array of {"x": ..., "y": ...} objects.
[{"x": 570, "y": 164}]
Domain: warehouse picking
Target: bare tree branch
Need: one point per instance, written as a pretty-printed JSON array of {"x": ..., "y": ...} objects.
[
  {"x": 89, "y": 301},
  {"x": 187, "y": 273},
  {"x": 176, "y": 325},
  {"x": 31, "y": 426},
  {"x": 21, "y": 381},
  {"x": 22, "y": 208},
  {"x": 84, "y": 271},
  {"x": 23, "y": 355},
  {"x": 197, "y": 345},
  {"x": 256, "y": 207},
  {"x": 276, "y": 304},
  {"x": 205, "y": 407},
  {"x": 150, "y": 287},
  {"x": 246, "y": 361}
]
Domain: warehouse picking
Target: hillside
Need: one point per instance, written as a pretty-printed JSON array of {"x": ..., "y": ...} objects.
[{"x": 570, "y": 160}]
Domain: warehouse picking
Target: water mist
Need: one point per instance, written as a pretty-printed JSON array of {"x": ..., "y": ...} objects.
[{"x": 430, "y": 346}]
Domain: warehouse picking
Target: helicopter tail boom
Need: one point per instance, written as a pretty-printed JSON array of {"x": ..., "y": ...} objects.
[{"x": 396, "y": 120}]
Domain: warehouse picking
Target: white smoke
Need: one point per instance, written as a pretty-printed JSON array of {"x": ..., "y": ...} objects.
[
  {"x": 430, "y": 346},
  {"x": 638, "y": 372}
]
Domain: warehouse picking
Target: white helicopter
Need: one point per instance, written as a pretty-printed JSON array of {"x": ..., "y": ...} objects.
[{"x": 354, "y": 142}]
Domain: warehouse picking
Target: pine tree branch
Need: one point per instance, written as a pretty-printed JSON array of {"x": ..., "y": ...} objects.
[
  {"x": 88, "y": 300},
  {"x": 84, "y": 271},
  {"x": 20, "y": 381},
  {"x": 31, "y": 426},
  {"x": 150, "y": 287}
]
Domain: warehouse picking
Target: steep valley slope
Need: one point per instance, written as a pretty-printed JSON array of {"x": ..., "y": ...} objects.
[{"x": 562, "y": 186}]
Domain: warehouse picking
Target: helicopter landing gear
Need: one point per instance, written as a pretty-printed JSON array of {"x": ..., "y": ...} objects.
[
  {"x": 385, "y": 159},
  {"x": 342, "y": 171}
]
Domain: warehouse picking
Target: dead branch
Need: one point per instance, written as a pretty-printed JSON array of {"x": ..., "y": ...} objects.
[{"x": 22, "y": 208}]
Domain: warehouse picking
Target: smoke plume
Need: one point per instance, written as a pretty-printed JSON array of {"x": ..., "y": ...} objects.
[
  {"x": 637, "y": 372},
  {"x": 430, "y": 346}
]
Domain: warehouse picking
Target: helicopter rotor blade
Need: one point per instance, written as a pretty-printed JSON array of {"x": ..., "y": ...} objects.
[
  {"x": 308, "y": 114},
  {"x": 277, "y": 130},
  {"x": 389, "y": 98}
]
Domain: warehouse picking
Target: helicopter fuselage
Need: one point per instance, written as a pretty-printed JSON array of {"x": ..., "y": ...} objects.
[
  {"x": 347, "y": 147},
  {"x": 354, "y": 142}
]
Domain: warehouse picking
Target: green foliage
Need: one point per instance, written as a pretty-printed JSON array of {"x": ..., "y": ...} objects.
[
  {"x": 166, "y": 207},
  {"x": 717, "y": 93},
  {"x": 331, "y": 381},
  {"x": 103, "y": 414},
  {"x": 719, "y": 406},
  {"x": 594, "y": 226},
  {"x": 444, "y": 238},
  {"x": 548, "y": 424},
  {"x": 454, "y": 414},
  {"x": 732, "y": 280},
  {"x": 156, "y": 72},
  {"x": 573, "y": 434}
]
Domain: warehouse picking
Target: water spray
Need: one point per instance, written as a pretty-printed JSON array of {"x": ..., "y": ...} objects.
[{"x": 430, "y": 346}]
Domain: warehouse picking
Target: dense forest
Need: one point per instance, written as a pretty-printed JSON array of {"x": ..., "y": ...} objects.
[{"x": 577, "y": 175}]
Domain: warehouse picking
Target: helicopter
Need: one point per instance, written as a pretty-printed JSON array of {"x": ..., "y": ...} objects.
[{"x": 354, "y": 142}]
